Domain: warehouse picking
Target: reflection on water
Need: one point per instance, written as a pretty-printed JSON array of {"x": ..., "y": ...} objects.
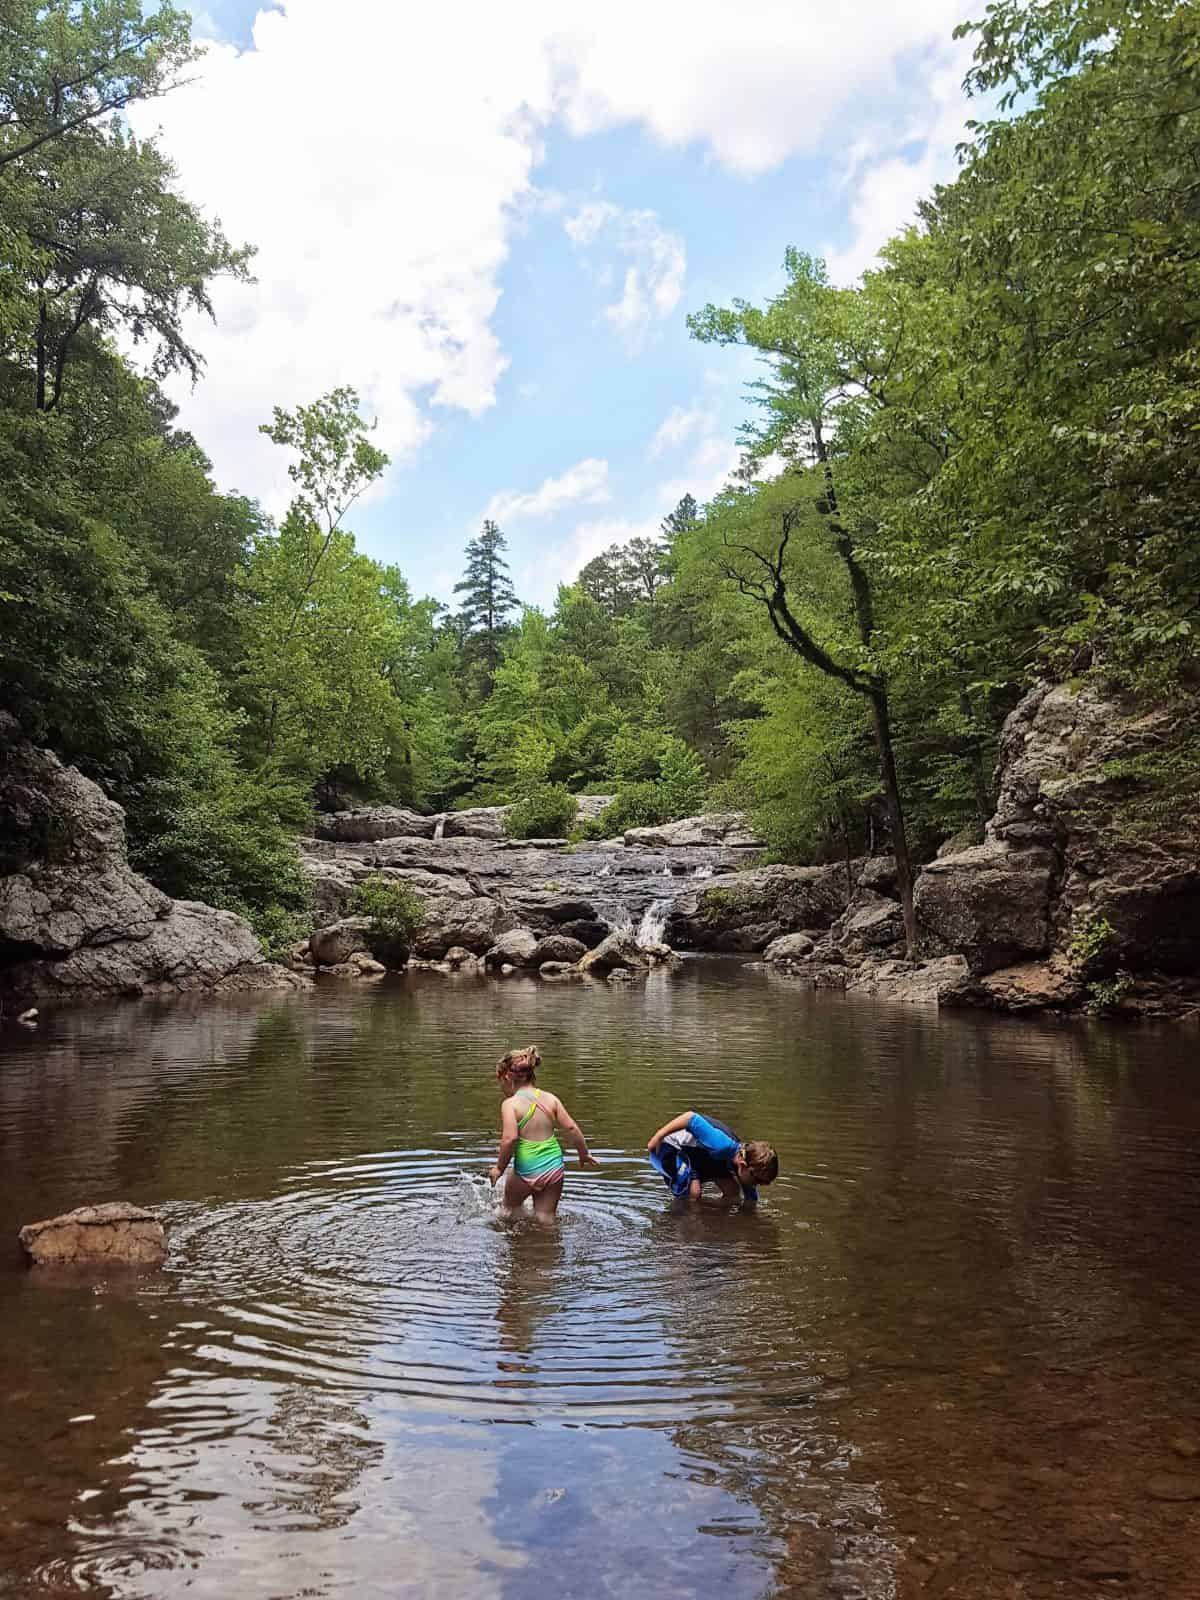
[{"x": 953, "y": 1353}]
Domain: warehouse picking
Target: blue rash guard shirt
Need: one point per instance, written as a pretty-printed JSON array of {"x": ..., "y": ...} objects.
[{"x": 704, "y": 1149}]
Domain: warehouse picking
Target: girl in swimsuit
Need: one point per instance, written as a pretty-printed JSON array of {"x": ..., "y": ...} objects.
[{"x": 527, "y": 1121}]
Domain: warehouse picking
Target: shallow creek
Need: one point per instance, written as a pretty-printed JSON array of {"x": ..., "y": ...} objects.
[{"x": 955, "y": 1352}]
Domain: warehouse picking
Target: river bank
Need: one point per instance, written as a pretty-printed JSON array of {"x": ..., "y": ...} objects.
[{"x": 1083, "y": 893}]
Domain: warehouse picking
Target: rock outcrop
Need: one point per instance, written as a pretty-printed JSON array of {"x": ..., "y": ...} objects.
[
  {"x": 1090, "y": 867},
  {"x": 113, "y": 1234},
  {"x": 748, "y": 910},
  {"x": 714, "y": 827},
  {"x": 1085, "y": 890},
  {"x": 76, "y": 920}
]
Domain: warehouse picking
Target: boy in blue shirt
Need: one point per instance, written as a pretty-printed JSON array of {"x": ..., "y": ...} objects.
[{"x": 692, "y": 1150}]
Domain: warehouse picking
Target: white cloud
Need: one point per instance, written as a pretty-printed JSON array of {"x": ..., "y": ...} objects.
[
  {"x": 652, "y": 281},
  {"x": 382, "y": 158},
  {"x": 888, "y": 182},
  {"x": 539, "y": 580},
  {"x": 586, "y": 483},
  {"x": 678, "y": 426},
  {"x": 709, "y": 467},
  {"x": 754, "y": 83}
]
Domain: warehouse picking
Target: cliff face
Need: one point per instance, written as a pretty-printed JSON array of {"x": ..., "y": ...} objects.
[
  {"x": 1087, "y": 886},
  {"x": 1084, "y": 894},
  {"x": 76, "y": 920}
]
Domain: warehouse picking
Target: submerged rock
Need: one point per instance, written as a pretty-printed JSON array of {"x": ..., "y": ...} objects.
[{"x": 116, "y": 1233}]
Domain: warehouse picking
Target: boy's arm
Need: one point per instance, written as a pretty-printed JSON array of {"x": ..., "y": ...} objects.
[
  {"x": 575, "y": 1133},
  {"x": 676, "y": 1125},
  {"x": 508, "y": 1140}
]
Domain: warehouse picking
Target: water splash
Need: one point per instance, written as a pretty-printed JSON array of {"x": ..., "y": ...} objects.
[
  {"x": 476, "y": 1197},
  {"x": 703, "y": 872}
]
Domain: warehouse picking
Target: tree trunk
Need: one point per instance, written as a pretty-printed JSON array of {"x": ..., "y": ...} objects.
[{"x": 881, "y": 722}]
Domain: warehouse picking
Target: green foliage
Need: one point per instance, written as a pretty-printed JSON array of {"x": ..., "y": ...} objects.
[
  {"x": 545, "y": 811},
  {"x": 658, "y": 780},
  {"x": 488, "y": 599},
  {"x": 1091, "y": 945},
  {"x": 279, "y": 930},
  {"x": 395, "y": 910},
  {"x": 1105, "y": 996}
]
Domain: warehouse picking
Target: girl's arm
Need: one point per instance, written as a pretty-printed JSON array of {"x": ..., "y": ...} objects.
[
  {"x": 574, "y": 1132},
  {"x": 676, "y": 1125},
  {"x": 508, "y": 1140}
]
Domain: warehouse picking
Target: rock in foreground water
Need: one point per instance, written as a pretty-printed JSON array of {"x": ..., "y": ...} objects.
[{"x": 116, "y": 1233}]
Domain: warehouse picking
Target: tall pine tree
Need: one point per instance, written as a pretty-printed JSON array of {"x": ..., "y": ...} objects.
[{"x": 489, "y": 597}]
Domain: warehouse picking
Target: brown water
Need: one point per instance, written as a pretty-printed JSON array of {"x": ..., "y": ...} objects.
[{"x": 956, "y": 1351}]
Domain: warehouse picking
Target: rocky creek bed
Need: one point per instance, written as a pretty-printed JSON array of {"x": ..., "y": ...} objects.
[{"x": 1061, "y": 906}]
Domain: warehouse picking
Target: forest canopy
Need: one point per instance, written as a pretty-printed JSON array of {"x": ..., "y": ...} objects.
[{"x": 975, "y": 467}]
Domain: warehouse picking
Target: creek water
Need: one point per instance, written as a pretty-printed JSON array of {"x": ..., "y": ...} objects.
[{"x": 954, "y": 1352}]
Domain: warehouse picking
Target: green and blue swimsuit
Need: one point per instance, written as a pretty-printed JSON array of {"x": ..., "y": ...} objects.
[{"x": 538, "y": 1162}]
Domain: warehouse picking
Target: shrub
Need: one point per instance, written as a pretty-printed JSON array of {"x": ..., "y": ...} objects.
[
  {"x": 1091, "y": 946},
  {"x": 278, "y": 929},
  {"x": 393, "y": 908},
  {"x": 546, "y": 811}
]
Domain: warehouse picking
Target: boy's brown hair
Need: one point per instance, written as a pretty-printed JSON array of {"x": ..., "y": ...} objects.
[{"x": 762, "y": 1161}]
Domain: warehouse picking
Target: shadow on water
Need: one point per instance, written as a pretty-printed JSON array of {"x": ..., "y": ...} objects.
[{"x": 954, "y": 1352}]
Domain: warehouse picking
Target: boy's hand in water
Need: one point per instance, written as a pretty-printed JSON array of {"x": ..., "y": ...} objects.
[
  {"x": 588, "y": 1161},
  {"x": 494, "y": 1176}
]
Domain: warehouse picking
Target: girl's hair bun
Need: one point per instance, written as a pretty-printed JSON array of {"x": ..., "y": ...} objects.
[{"x": 519, "y": 1063}]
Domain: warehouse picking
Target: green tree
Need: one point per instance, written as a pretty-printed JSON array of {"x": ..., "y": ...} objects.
[
  {"x": 811, "y": 334},
  {"x": 488, "y": 596}
]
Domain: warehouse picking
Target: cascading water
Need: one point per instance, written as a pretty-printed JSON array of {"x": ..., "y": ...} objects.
[
  {"x": 653, "y": 926},
  {"x": 439, "y": 828}
]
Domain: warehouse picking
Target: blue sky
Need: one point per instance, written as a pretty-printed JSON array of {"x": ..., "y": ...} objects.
[{"x": 494, "y": 223}]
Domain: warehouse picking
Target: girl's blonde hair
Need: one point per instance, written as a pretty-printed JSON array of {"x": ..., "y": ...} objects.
[{"x": 520, "y": 1064}]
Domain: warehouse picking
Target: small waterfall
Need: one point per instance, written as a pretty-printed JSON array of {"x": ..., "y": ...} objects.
[
  {"x": 439, "y": 828},
  {"x": 703, "y": 872},
  {"x": 653, "y": 924}
]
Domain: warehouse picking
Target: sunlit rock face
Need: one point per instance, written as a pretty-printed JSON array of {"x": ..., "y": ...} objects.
[
  {"x": 1073, "y": 846},
  {"x": 76, "y": 920}
]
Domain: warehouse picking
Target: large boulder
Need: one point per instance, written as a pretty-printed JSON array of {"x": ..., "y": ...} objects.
[
  {"x": 558, "y": 947},
  {"x": 729, "y": 828},
  {"x": 370, "y": 824},
  {"x": 991, "y": 903},
  {"x": 1095, "y": 831},
  {"x": 115, "y": 1233},
  {"x": 76, "y": 920},
  {"x": 332, "y": 945},
  {"x": 516, "y": 948},
  {"x": 748, "y": 910},
  {"x": 791, "y": 947},
  {"x": 479, "y": 822},
  {"x": 870, "y": 922},
  {"x": 475, "y": 924},
  {"x": 934, "y": 983},
  {"x": 618, "y": 950}
]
